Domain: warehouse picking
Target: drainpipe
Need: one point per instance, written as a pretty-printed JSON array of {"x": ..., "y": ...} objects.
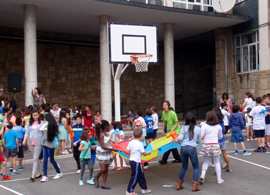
[{"x": 226, "y": 63}]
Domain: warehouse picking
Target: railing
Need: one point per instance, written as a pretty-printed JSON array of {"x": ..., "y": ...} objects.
[{"x": 198, "y": 5}]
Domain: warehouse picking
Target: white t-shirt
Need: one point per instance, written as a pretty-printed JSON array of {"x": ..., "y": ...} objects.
[
  {"x": 250, "y": 104},
  {"x": 143, "y": 121},
  {"x": 113, "y": 135},
  {"x": 226, "y": 114},
  {"x": 136, "y": 149},
  {"x": 258, "y": 119},
  {"x": 155, "y": 119},
  {"x": 211, "y": 133},
  {"x": 57, "y": 113}
]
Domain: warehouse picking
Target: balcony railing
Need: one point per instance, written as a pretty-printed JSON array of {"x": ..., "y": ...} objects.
[{"x": 198, "y": 5}]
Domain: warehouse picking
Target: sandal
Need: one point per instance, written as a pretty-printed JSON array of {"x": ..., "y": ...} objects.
[
  {"x": 114, "y": 168},
  {"x": 120, "y": 169}
]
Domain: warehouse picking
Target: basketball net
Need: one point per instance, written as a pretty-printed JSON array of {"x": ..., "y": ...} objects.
[{"x": 141, "y": 61}]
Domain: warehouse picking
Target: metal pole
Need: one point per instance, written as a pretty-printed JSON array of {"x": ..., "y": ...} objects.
[{"x": 117, "y": 97}]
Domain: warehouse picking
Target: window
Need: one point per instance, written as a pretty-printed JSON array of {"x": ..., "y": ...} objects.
[
  {"x": 247, "y": 53},
  {"x": 198, "y": 5}
]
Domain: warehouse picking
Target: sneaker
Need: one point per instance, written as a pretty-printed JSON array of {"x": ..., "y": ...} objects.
[
  {"x": 248, "y": 140},
  {"x": 246, "y": 153},
  {"x": 251, "y": 139},
  {"x": 229, "y": 170},
  {"x": 177, "y": 161},
  {"x": 255, "y": 138},
  {"x": 236, "y": 152},
  {"x": 128, "y": 126},
  {"x": 220, "y": 181},
  {"x": 145, "y": 167},
  {"x": 11, "y": 168},
  {"x": 257, "y": 150},
  {"x": 131, "y": 193},
  {"x": 21, "y": 168},
  {"x": 90, "y": 181},
  {"x": 264, "y": 150},
  {"x": 15, "y": 172},
  {"x": 81, "y": 182},
  {"x": 6, "y": 177},
  {"x": 162, "y": 162},
  {"x": 212, "y": 165},
  {"x": 224, "y": 166},
  {"x": 268, "y": 145},
  {"x": 227, "y": 141},
  {"x": 78, "y": 171},
  {"x": 147, "y": 191},
  {"x": 44, "y": 179},
  {"x": 201, "y": 181},
  {"x": 58, "y": 175}
]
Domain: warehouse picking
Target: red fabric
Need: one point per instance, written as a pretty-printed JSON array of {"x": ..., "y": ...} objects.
[
  {"x": 121, "y": 146},
  {"x": 2, "y": 159},
  {"x": 89, "y": 119}
]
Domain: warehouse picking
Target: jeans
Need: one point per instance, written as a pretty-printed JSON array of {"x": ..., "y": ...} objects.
[
  {"x": 49, "y": 152},
  {"x": 189, "y": 152}
]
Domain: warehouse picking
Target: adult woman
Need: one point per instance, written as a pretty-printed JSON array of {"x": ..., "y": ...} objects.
[
  {"x": 39, "y": 99},
  {"x": 225, "y": 99},
  {"x": 35, "y": 139},
  {"x": 248, "y": 102},
  {"x": 170, "y": 120},
  {"x": 63, "y": 132},
  {"x": 50, "y": 132},
  {"x": 190, "y": 136},
  {"x": 211, "y": 131}
]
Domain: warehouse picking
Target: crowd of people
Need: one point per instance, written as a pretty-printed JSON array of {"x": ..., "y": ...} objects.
[{"x": 43, "y": 129}]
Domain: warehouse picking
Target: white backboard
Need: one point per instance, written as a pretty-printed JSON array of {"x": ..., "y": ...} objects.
[{"x": 128, "y": 39}]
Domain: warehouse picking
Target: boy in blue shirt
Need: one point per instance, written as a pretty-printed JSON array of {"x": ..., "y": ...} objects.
[
  {"x": 130, "y": 118},
  {"x": 149, "y": 125},
  {"x": 21, "y": 132},
  {"x": 11, "y": 142},
  {"x": 77, "y": 130}
]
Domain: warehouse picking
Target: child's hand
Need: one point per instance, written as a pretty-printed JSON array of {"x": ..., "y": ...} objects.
[
  {"x": 17, "y": 150},
  {"x": 93, "y": 147},
  {"x": 75, "y": 144},
  {"x": 23, "y": 142},
  {"x": 115, "y": 150}
]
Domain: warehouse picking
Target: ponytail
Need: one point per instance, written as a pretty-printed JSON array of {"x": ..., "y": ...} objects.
[{"x": 101, "y": 125}]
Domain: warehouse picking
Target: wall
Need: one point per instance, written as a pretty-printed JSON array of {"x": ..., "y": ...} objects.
[{"x": 74, "y": 70}]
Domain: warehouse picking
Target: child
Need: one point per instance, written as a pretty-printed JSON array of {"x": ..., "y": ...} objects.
[
  {"x": 136, "y": 150},
  {"x": 155, "y": 121},
  {"x": 130, "y": 118},
  {"x": 226, "y": 115},
  {"x": 97, "y": 117},
  {"x": 77, "y": 130},
  {"x": 149, "y": 125},
  {"x": 266, "y": 104},
  {"x": 11, "y": 142},
  {"x": 2, "y": 159},
  {"x": 237, "y": 123},
  {"x": 89, "y": 116},
  {"x": 103, "y": 152},
  {"x": 84, "y": 146},
  {"x": 117, "y": 137},
  {"x": 259, "y": 124},
  {"x": 249, "y": 125},
  {"x": 21, "y": 132},
  {"x": 63, "y": 132}
]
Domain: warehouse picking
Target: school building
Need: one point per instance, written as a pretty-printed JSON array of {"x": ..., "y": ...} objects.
[{"x": 62, "y": 48}]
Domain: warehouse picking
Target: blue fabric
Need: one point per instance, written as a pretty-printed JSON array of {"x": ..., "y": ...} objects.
[
  {"x": 236, "y": 122},
  {"x": 77, "y": 130},
  {"x": 149, "y": 124},
  {"x": 237, "y": 137},
  {"x": 223, "y": 133},
  {"x": 186, "y": 153},
  {"x": 21, "y": 132},
  {"x": 267, "y": 117},
  {"x": 143, "y": 134},
  {"x": 10, "y": 137},
  {"x": 49, "y": 152},
  {"x": 1, "y": 109},
  {"x": 132, "y": 115}
]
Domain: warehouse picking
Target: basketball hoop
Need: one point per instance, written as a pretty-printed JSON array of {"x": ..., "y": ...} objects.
[{"x": 141, "y": 61}]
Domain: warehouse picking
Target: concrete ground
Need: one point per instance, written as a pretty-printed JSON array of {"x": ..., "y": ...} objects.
[{"x": 250, "y": 176}]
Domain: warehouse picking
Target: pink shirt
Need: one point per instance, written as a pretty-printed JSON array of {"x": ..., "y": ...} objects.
[
  {"x": 98, "y": 117},
  {"x": 229, "y": 103}
]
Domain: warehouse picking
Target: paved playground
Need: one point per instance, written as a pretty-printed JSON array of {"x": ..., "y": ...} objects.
[{"x": 250, "y": 176}]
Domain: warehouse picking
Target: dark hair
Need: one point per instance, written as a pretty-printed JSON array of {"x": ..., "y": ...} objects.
[
  {"x": 101, "y": 125},
  {"x": 78, "y": 116},
  {"x": 10, "y": 125},
  {"x": 47, "y": 109},
  {"x": 18, "y": 114},
  {"x": 41, "y": 117},
  {"x": 62, "y": 115},
  {"x": 224, "y": 104},
  {"x": 9, "y": 115},
  {"x": 84, "y": 135},
  {"x": 118, "y": 125},
  {"x": 13, "y": 103},
  {"x": 235, "y": 108},
  {"x": 258, "y": 100},
  {"x": 154, "y": 108},
  {"x": 43, "y": 106},
  {"x": 27, "y": 111},
  {"x": 268, "y": 94},
  {"x": 137, "y": 133},
  {"x": 38, "y": 91},
  {"x": 84, "y": 113},
  {"x": 249, "y": 110},
  {"x": 131, "y": 111},
  {"x": 31, "y": 108},
  {"x": 18, "y": 121},
  {"x": 219, "y": 114},
  {"x": 70, "y": 118},
  {"x": 223, "y": 96},
  {"x": 89, "y": 106},
  {"x": 78, "y": 107},
  {"x": 211, "y": 118},
  {"x": 31, "y": 121},
  {"x": 148, "y": 112},
  {"x": 169, "y": 104},
  {"x": 97, "y": 112},
  {"x": 140, "y": 113},
  {"x": 5, "y": 110},
  {"x": 250, "y": 95},
  {"x": 52, "y": 127},
  {"x": 190, "y": 120}
]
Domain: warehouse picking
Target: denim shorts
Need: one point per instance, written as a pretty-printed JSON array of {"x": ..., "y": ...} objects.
[{"x": 222, "y": 145}]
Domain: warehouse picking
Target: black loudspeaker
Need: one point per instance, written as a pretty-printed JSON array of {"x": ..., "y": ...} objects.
[{"x": 14, "y": 82}]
